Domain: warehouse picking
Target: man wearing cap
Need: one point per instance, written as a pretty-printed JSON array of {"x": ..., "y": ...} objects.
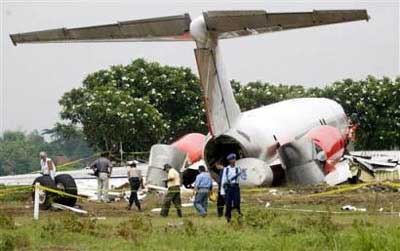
[
  {"x": 173, "y": 193},
  {"x": 47, "y": 165},
  {"x": 230, "y": 185},
  {"x": 202, "y": 186},
  {"x": 135, "y": 179}
]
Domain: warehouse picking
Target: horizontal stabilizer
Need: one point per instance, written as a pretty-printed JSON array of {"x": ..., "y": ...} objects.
[
  {"x": 229, "y": 24},
  {"x": 172, "y": 28}
]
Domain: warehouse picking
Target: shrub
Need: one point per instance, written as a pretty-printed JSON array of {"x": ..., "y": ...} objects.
[
  {"x": 14, "y": 241},
  {"x": 7, "y": 222},
  {"x": 133, "y": 228}
]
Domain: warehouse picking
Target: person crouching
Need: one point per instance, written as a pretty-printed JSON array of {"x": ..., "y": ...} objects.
[{"x": 135, "y": 180}]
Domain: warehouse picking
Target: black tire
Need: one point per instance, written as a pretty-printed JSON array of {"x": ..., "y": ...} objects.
[
  {"x": 45, "y": 197},
  {"x": 65, "y": 183}
]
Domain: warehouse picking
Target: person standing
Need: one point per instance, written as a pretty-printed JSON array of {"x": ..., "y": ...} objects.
[
  {"x": 135, "y": 180},
  {"x": 173, "y": 193},
  {"x": 230, "y": 185},
  {"x": 103, "y": 167},
  {"x": 220, "y": 197},
  {"x": 47, "y": 165},
  {"x": 202, "y": 186}
]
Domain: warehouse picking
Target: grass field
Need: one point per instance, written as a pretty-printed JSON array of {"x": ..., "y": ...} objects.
[{"x": 111, "y": 227}]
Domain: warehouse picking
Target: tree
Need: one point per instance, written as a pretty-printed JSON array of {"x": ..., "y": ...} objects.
[
  {"x": 138, "y": 104},
  {"x": 257, "y": 94},
  {"x": 19, "y": 153},
  {"x": 373, "y": 103},
  {"x": 68, "y": 140}
]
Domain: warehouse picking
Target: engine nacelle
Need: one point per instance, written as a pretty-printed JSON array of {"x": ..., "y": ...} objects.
[
  {"x": 187, "y": 148},
  {"x": 307, "y": 160}
]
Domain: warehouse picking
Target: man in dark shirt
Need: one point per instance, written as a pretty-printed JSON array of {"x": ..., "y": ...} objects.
[
  {"x": 103, "y": 167},
  {"x": 220, "y": 198}
]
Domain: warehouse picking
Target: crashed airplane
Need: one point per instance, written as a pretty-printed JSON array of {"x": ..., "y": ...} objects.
[{"x": 300, "y": 141}]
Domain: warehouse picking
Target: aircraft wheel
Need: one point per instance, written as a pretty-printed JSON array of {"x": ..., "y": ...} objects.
[
  {"x": 45, "y": 197},
  {"x": 65, "y": 183}
]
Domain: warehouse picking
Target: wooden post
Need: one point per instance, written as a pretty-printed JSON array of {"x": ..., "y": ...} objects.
[{"x": 36, "y": 202}]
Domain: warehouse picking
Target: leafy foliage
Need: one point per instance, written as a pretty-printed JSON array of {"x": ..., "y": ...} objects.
[
  {"x": 19, "y": 151},
  {"x": 372, "y": 103},
  {"x": 375, "y": 105},
  {"x": 138, "y": 104}
]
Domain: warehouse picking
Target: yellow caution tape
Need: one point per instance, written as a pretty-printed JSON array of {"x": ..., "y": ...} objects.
[
  {"x": 6, "y": 190},
  {"x": 61, "y": 192},
  {"x": 339, "y": 190}
]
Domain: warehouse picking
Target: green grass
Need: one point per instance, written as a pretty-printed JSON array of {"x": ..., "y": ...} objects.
[{"x": 259, "y": 229}]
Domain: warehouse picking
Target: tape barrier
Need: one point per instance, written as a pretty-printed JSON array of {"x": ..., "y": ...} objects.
[
  {"x": 344, "y": 188},
  {"x": 6, "y": 190},
  {"x": 339, "y": 190},
  {"x": 61, "y": 192},
  {"x": 60, "y": 167}
]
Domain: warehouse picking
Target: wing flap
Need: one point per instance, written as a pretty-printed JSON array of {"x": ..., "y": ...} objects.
[
  {"x": 228, "y": 24},
  {"x": 155, "y": 29}
]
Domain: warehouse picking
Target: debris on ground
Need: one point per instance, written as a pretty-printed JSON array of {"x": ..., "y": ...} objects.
[
  {"x": 64, "y": 207},
  {"x": 353, "y": 208}
]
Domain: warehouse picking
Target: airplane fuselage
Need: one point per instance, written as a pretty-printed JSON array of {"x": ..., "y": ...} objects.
[{"x": 257, "y": 132}]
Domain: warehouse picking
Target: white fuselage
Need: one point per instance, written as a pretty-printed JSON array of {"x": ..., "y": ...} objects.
[{"x": 258, "y": 130}]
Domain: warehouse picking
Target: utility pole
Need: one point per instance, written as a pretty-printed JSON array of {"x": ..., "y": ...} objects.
[{"x": 121, "y": 151}]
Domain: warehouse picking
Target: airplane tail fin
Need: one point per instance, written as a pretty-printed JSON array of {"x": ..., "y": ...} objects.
[{"x": 221, "y": 107}]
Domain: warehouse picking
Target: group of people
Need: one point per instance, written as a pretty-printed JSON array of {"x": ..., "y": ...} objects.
[
  {"x": 228, "y": 189},
  {"x": 228, "y": 185}
]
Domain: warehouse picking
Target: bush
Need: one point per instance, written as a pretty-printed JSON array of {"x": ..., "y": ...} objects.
[
  {"x": 135, "y": 227},
  {"x": 7, "y": 222},
  {"x": 14, "y": 241},
  {"x": 259, "y": 218},
  {"x": 189, "y": 227}
]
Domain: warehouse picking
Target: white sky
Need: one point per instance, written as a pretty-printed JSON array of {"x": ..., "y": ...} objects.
[{"x": 34, "y": 77}]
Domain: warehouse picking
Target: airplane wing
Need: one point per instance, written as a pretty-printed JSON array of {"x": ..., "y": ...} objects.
[
  {"x": 171, "y": 28},
  {"x": 229, "y": 24}
]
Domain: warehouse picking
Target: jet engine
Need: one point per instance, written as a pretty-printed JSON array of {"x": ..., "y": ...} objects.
[
  {"x": 187, "y": 149},
  {"x": 308, "y": 159}
]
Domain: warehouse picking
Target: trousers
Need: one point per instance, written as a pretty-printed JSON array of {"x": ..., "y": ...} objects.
[
  {"x": 232, "y": 200},
  {"x": 102, "y": 186},
  {"x": 173, "y": 195},
  {"x": 135, "y": 184},
  {"x": 201, "y": 201}
]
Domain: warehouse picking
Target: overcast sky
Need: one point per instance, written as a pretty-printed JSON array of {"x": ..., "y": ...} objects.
[{"x": 34, "y": 77}]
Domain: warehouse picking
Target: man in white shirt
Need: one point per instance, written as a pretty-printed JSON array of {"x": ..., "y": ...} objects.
[
  {"x": 174, "y": 191},
  {"x": 47, "y": 165}
]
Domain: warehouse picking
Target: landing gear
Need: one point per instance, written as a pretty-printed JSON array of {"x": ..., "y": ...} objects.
[
  {"x": 62, "y": 182},
  {"x": 65, "y": 183},
  {"x": 45, "y": 197}
]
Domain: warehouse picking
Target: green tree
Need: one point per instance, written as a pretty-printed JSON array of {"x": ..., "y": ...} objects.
[
  {"x": 68, "y": 140},
  {"x": 19, "y": 153},
  {"x": 375, "y": 104},
  {"x": 257, "y": 94},
  {"x": 138, "y": 104}
]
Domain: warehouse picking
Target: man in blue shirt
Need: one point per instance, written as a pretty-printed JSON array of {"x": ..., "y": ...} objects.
[
  {"x": 202, "y": 186},
  {"x": 230, "y": 185}
]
